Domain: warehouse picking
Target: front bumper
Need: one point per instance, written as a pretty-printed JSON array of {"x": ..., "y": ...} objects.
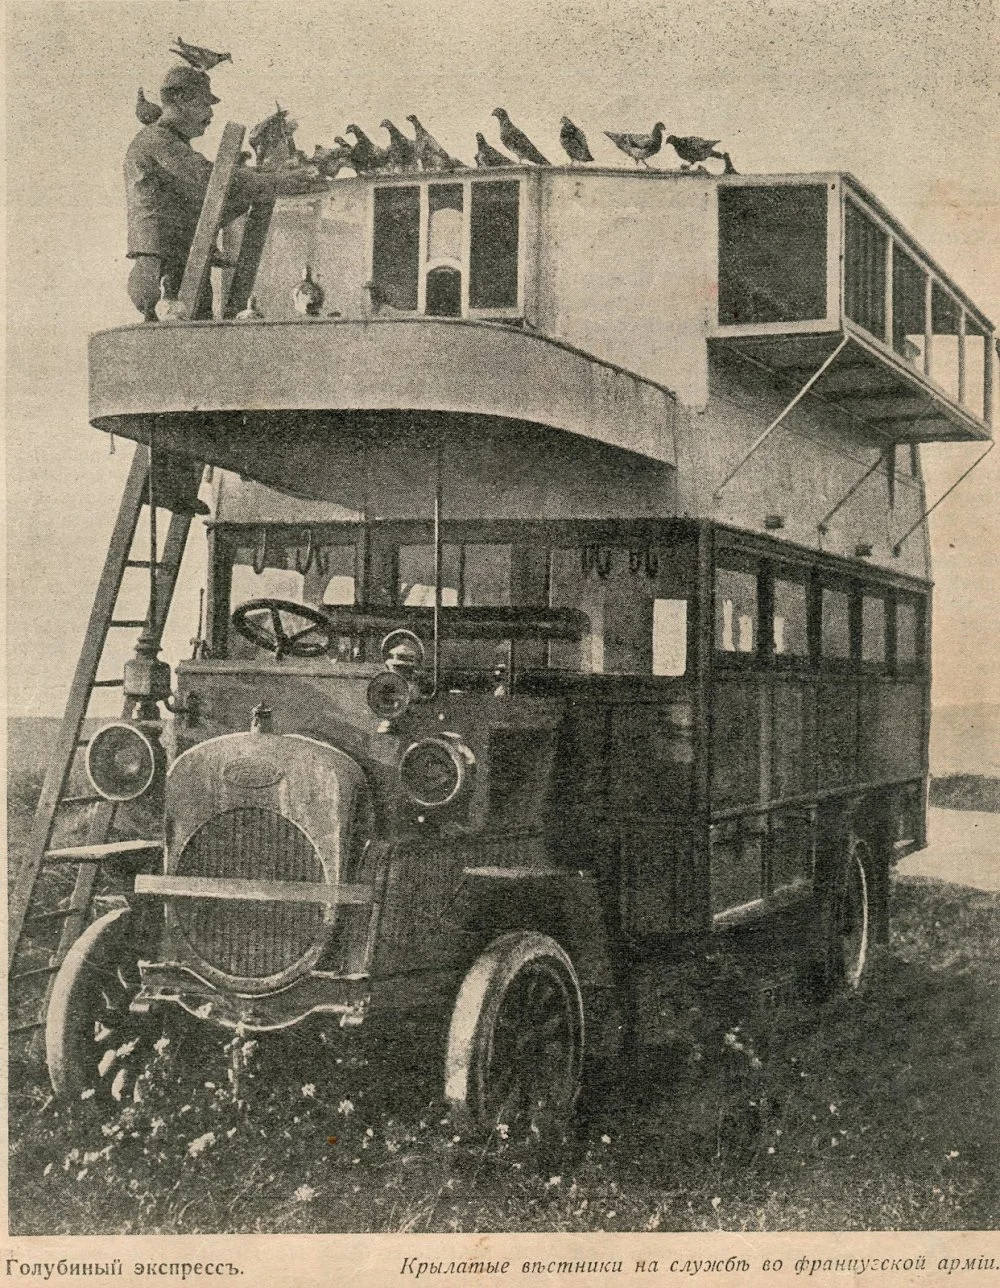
[{"x": 318, "y": 993}]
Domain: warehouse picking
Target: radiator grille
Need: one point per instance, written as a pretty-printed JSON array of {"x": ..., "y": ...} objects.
[{"x": 244, "y": 938}]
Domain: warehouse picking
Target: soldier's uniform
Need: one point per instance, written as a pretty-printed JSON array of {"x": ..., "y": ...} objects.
[{"x": 165, "y": 184}]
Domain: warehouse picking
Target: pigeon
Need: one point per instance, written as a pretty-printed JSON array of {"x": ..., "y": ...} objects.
[
  {"x": 574, "y": 141},
  {"x": 730, "y": 168},
  {"x": 516, "y": 141},
  {"x": 272, "y": 139},
  {"x": 147, "y": 112},
  {"x": 365, "y": 156},
  {"x": 308, "y": 296},
  {"x": 402, "y": 151},
  {"x": 640, "y": 147},
  {"x": 430, "y": 153},
  {"x": 692, "y": 149},
  {"x": 330, "y": 161},
  {"x": 203, "y": 59},
  {"x": 168, "y": 307},
  {"x": 487, "y": 158},
  {"x": 251, "y": 313}
]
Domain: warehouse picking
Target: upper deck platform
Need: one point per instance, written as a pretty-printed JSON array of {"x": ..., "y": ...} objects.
[{"x": 590, "y": 302}]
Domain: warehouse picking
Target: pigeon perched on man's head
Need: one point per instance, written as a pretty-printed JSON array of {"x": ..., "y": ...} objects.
[
  {"x": 640, "y": 147},
  {"x": 574, "y": 141},
  {"x": 203, "y": 59},
  {"x": 516, "y": 141},
  {"x": 430, "y": 153},
  {"x": 487, "y": 157}
]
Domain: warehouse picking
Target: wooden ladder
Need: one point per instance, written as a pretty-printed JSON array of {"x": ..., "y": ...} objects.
[{"x": 44, "y": 922}]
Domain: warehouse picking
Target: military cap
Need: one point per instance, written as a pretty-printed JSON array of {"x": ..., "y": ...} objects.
[{"x": 188, "y": 80}]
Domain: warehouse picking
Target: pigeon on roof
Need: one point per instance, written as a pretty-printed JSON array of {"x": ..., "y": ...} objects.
[
  {"x": 692, "y": 149},
  {"x": 640, "y": 147},
  {"x": 365, "y": 156},
  {"x": 430, "y": 153},
  {"x": 203, "y": 59},
  {"x": 516, "y": 141},
  {"x": 487, "y": 157},
  {"x": 147, "y": 112},
  {"x": 574, "y": 141},
  {"x": 272, "y": 139},
  {"x": 402, "y": 151},
  {"x": 330, "y": 161}
]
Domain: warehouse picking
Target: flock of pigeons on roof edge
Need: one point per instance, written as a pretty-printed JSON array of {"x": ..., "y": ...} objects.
[{"x": 273, "y": 141}]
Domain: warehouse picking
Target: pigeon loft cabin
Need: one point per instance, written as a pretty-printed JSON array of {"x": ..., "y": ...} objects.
[{"x": 568, "y": 612}]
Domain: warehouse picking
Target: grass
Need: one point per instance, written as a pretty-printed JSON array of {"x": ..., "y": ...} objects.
[{"x": 873, "y": 1112}]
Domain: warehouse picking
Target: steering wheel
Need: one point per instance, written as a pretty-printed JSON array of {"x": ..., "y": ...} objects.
[{"x": 273, "y": 635}]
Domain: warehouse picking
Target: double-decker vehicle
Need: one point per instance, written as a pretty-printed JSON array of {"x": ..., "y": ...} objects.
[{"x": 568, "y": 612}]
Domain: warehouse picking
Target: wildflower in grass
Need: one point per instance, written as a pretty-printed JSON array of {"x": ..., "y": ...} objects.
[
  {"x": 717, "y": 1203},
  {"x": 953, "y": 1153},
  {"x": 503, "y": 1131},
  {"x": 770, "y": 1149},
  {"x": 346, "y": 1107},
  {"x": 161, "y": 1044},
  {"x": 370, "y": 1132},
  {"x": 309, "y": 1091},
  {"x": 200, "y": 1144},
  {"x": 605, "y": 1140},
  {"x": 552, "y": 1182},
  {"x": 833, "y": 1109},
  {"x": 47, "y": 1169},
  {"x": 304, "y": 1194},
  {"x": 85, "y": 1095}
]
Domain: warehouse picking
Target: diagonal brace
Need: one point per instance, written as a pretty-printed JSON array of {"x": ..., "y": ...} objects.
[{"x": 827, "y": 363}]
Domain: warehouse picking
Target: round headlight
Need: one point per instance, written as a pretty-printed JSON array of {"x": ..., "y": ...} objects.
[
  {"x": 434, "y": 771},
  {"x": 121, "y": 762},
  {"x": 388, "y": 695}
]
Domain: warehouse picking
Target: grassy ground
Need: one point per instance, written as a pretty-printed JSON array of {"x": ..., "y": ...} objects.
[{"x": 874, "y": 1112}]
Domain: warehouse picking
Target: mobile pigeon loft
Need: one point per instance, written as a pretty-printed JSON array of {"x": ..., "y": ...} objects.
[{"x": 567, "y": 613}]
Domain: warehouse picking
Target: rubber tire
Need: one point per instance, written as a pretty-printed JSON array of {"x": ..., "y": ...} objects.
[
  {"x": 102, "y": 955},
  {"x": 846, "y": 909},
  {"x": 473, "y": 1025}
]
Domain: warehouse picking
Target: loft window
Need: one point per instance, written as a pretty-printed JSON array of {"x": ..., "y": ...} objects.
[
  {"x": 907, "y": 633},
  {"x": 909, "y": 291},
  {"x": 865, "y": 248},
  {"x": 396, "y": 246},
  {"x": 872, "y": 629},
  {"x": 469, "y": 235},
  {"x": 772, "y": 254},
  {"x": 493, "y": 251}
]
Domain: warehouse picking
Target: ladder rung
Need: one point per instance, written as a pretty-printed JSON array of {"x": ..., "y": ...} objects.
[
  {"x": 133, "y": 623},
  {"x": 33, "y": 974},
  {"x": 27, "y": 1026},
  {"x": 143, "y": 563},
  {"x": 92, "y": 799},
  {"x": 108, "y": 684}
]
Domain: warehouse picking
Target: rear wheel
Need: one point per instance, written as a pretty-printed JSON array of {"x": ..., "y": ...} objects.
[
  {"x": 846, "y": 923},
  {"x": 515, "y": 1045}
]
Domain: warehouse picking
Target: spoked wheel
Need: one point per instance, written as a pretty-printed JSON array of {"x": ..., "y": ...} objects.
[
  {"x": 92, "y": 1040},
  {"x": 515, "y": 1045},
  {"x": 846, "y": 917}
]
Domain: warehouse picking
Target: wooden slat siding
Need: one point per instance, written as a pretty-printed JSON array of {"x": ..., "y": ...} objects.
[
  {"x": 242, "y": 279},
  {"x": 184, "y": 887},
  {"x": 79, "y": 696},
  {"x": 199, "y": 260}
]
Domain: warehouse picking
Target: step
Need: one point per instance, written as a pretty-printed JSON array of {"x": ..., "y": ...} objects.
[
  {"x": 108, "y": 684},
  {"x": 128, "y": 623}
]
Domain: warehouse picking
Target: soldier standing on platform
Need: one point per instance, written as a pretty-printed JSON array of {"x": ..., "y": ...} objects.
[{"x": 165, "y": 184}]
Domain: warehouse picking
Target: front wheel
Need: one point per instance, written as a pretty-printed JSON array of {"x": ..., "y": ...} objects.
[
  {"x": 94, "y": 1044},
  {"x": 515, "y": 1044},
  {"x": 845, "y": 922}
]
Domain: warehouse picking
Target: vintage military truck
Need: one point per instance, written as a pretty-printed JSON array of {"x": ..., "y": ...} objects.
[{"x": 568, "y": 614}]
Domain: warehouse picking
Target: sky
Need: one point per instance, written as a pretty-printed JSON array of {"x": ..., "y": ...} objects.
[{"x": 903, "y": 93}]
